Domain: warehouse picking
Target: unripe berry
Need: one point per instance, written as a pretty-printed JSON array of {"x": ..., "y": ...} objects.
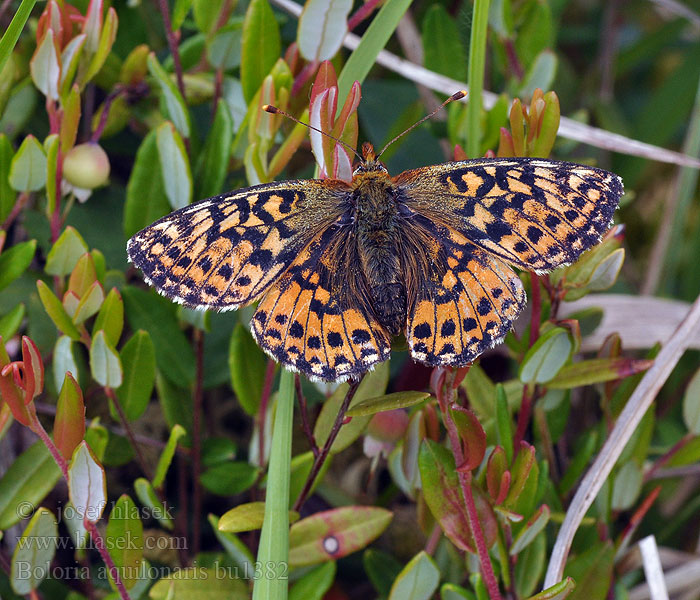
[{"x": 86, "y": 166}]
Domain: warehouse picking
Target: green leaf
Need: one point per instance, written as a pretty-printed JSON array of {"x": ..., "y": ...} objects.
[
  {"x": 206, "y": 13},
  {"x": 504, "y": 428},
  {"x": 105, "y": 365},
  {"x": 525, "y": 474},
  {"x": 174, "y": 166},
  {"x": 9, "y": 323},
  {"x": 110, "y": 319},
  {"x": 212, "y": 165},
  {"x": 64, "y": 361},
  {"x": 86, "y": 484},
  {"x": 442, "y": 47},
  {"x": 450, "y": 591},
  {"x": 597, "y": 370},
  {"x": 14, "y": 29},
  {"x": 418, "y": 580},
  {"x": 558, "y": 591},
  {"x": 174, "y": 104},
  {"x": 382, "y": 569},
  {"x": 25, "y": 484},
  {"x": 530, "y": 566},
  {"x": 335, "y": 533},
  {"x": 627, "y": 486},
  {"x": 691, "y": 405},
  {"x": 546, "y": 357},
  {"x": 65, "y": 253},
  {"x": 314, "y": 584},
  {"x": 592, "y": 571},
  {"x": 7, "y": 194},
  {"x": 322, "y": 27},
  {"x": 233, "y": 546},
  {"x": 247, "y": 365},
  {"x": 605, "y": 274},
  {"x": 443, "y": 495},
  {"x": 104, "y": 46},
  {"x": 224, "y": 49},
  {"x": 124, "y": 540},
  {"x": 89, "y": 304},
  {"x": 139, "y": 364},
  {"x": 388, "y": 402},
  {"x": 34, "y": 552},
  {"x": 146, "y": 200},
  {"x": 176, "y": 404},
  {"x": 15, "y": 260},
  {"x": 69, "y": 423},
  {"x": 247, "y": 517},
  {"x": 148, "y": 497},
  {"x": 199, "y": 583},
  {"x": 84, "y": 274},
  {"x": 55, "y": 310},
  {"x": 540, "y": 75},
  {"x": 373, "y": 383},
  {"x": 51, "y": 144},
  {"x": 531, "y": 530},
  {"x": 180, "y": 10},
  {"x": 229, "y": 479},
  {"x": 261, "y": 46},
  {"x": 156, "y": 315},
  {"x": 45, "y": 67},
  {"x": 166, "y": 457},
  {"x": 28, "y": 167}
]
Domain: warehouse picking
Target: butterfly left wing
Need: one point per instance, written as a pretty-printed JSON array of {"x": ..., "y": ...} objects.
[
  {"x": 225, "y": 252},
  {"x": 464, "y": 309},
  {"x": 533, "y": 213},
  {"x": 315, "y": 321}
]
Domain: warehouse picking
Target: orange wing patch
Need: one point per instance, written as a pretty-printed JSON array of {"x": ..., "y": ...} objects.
[{"x": 465, "y": 311}]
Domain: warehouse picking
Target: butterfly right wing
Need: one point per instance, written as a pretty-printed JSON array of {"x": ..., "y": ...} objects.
[{"x": 225, "y": 252}]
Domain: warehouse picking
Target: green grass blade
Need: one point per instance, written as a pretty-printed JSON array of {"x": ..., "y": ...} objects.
[
  {"x": 477, "y": 60},
  {"x": 8, "y": 41},
  {"x": 373, "y": 41},
  {"x": 273, "y": 551}
]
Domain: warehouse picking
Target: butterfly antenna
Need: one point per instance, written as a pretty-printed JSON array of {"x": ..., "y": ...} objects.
[
  {"x": 273, "y": 110},
  {"x": 457, "y": 96}
]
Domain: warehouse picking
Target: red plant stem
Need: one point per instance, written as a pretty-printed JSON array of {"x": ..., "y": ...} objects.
[
  {"x": 362, "y": 13},
  {"x": 433, "y": 540},
  {"x": 101, "y": 548},
  {"x": 536, "y": 308},
  {"x": 465, "y": 480},
  {"x": 663, "y": 459},
  {"x": 197, "y": 440},
  {"x": 38, "y": 428},
  {"x": 172, "y": 44},
  {"x": 106, "y": 105},
  {"x": 304, "y": 75},
  {"x": 143, "y": 465},
  {"x": 262, "y": 409},
  {"x": 523, "y": 418},
  {"x": 321, "y": 458},
  {"x": 183, "y": 512},
  {"x": 306, "y": 428},
  {"x": 22, "y": 200},
  {"x": 643, "y": 509},
  {"x": 513, "y": 61}
]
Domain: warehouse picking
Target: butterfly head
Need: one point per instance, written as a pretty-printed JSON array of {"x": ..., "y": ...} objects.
[{"x": 370, "y": 161}]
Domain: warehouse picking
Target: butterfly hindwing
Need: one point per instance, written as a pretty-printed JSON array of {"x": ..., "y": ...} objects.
[
  {"x": 311, "y": 322},
  {"x": 225, "y": 252},
  {"x": 460, "y": 312},
  {"x": 534, "y": 213}
]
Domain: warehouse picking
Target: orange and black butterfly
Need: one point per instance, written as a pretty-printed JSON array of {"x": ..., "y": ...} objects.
[{"x": 339, "y": 268}]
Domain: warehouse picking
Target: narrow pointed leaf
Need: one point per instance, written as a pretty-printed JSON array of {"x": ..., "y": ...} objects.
[
  {"x": 124, "y": 539},
  {"x": 148, "y": 497},
  {"x": 69, "y": 423},
  {"x": 110, "y": 319},
  {"x": 139, "y": 367},
  {"x": 261, "y": 46},
  {"x": 174, "y": 103},
  {"x": 89, "y": 304},
  {"x": 105, "y": 365},
  {"x": 247, "y": 366},
  {"x": 546, "y": 357},
  {"x": 532, "y": 528},
  {"x": 174, "y": 166},
  {"x": 65, "y": 253},
  {"x": 166, "y": 456},
  {"x": 388, "y": 402},
  {"x": 55, "y": 310}
]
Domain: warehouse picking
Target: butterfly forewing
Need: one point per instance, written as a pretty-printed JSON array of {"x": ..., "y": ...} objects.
[
  {"x": 225, "y": 252},
  {"x": 534, "y": 213}
]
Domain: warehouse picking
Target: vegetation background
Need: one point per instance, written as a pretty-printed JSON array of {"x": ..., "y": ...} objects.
[{"x": 136, "y": 436}]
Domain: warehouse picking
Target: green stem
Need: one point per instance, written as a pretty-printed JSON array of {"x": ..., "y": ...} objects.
[
  {"x": 477, "y": 60},
  {"x": 273, "y": 551}
]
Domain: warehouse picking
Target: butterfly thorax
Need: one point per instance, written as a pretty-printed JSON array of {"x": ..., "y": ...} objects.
[{"x": 377, "y": 223}]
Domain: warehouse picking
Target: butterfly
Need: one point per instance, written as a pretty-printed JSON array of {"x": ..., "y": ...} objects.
[{"x": 339, "y": 268}]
